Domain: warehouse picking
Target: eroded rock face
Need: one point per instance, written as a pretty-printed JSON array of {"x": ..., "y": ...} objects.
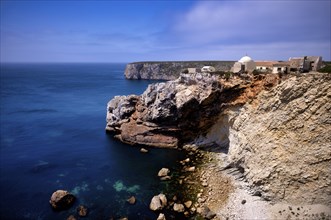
[
  {"x": 282, "y": 140},
  {"x": 169, "y": 113}
]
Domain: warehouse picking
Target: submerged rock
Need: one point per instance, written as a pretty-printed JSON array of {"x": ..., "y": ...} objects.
[
  {"x": 61, "y": 200},
  {"x": 82, "y": 211},
  {"x": 71, "y": 217},
  {"x": 131, "y": 200}
]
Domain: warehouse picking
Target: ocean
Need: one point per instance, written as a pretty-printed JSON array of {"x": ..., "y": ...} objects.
[{"x": 53, "y": 137}]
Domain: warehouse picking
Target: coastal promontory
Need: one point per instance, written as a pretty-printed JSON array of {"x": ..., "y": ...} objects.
[{"x": 274, "y": 128}]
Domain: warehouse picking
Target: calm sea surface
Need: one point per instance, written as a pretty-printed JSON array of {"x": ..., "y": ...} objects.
[{"x": 52, "y": 137}]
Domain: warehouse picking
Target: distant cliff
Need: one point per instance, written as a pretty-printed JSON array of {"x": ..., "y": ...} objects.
[{"x": 169, "y": 70}]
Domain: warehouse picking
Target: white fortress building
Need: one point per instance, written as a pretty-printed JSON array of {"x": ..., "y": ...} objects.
[{"x": 244, "y": 64}]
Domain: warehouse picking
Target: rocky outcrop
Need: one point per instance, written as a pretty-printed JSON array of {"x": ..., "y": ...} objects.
[
  {"x": 170, "y": 113},
  {"x": 169, "y": 70},
  {"x": 281, "y": 142}
]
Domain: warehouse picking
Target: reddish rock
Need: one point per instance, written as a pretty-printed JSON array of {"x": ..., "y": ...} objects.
[{"x": 61, "y": 200}]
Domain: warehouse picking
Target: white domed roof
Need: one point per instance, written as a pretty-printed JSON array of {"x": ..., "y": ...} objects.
[{"x": 245, "y": 59}]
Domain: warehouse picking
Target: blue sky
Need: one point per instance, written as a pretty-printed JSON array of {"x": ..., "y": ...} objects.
[{"x": 128, "y": 31}]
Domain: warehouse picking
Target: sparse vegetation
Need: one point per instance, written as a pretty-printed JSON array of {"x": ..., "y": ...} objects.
[
  {"x": 326, "y": 68},
  {"x": 256, "y": 72}
]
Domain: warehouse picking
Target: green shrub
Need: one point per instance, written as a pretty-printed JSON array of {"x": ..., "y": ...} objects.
[
  {"x": 228, "y": 75},
  {"x": 325, "y": 69}
]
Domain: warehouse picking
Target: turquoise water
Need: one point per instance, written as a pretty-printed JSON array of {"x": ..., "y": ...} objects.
[{"x": 52, "y": 137}]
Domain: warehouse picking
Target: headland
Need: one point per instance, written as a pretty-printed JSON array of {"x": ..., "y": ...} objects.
[{"x": 264, "y": 138}]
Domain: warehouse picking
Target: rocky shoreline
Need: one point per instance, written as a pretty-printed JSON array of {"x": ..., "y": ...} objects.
[
  {"x": 263, "y": 141},
  {"x": 227, "y": 194}
]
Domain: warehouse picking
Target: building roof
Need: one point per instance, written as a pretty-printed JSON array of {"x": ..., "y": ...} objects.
[
  {"x": 265, "y": 63},
  {"x": 205, "y": 67},
  {"x": 245, "y": 59},
  {"x": 281, "y": 64}
]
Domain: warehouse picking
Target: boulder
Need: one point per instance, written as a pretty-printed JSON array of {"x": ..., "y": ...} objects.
[
  {"x": 143, "y": 150},
  {"x": 61, "y": 200},
  {"x": 190, "y": 169},
  {"x": 161, "y": 217},
  {"x": 206, "y": 213},
  {"x": 188, "y": 204},
  {"x": 179, "y": 207},
  {"x": 158, "y": 202},
  {"x": 163, "y": 172}
]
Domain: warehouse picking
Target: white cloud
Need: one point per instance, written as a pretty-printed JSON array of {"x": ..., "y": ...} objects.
[{"x": 239, "y": 22}]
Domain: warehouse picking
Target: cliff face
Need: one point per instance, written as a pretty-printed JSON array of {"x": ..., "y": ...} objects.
[
  {"x": 282, "y": 140},
  {"x": 169, "y": 70},
  {"x": 277, "y": 135}
]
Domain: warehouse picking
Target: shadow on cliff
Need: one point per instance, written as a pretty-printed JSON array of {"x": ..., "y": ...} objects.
[{"x": 215, "y": 148}]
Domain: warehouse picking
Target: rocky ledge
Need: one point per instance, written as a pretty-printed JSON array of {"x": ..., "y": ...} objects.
[{"x": 170, "y": 113}]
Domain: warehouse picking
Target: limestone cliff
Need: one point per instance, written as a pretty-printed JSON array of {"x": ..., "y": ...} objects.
[
  {"x": 282, "y": 143},
  {"x": 169, "y": 70},
  {"x": 276, "y": 129}
]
